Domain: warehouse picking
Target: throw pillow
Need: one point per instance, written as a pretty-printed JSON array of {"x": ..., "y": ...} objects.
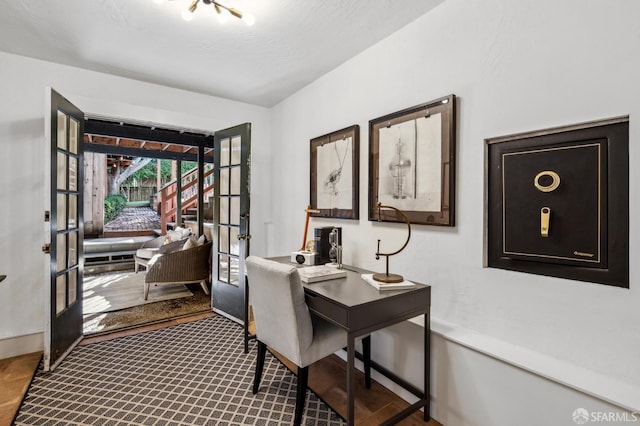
[
  {"x": 201, "y": 240},
  {"x": 190, "y": 243}
]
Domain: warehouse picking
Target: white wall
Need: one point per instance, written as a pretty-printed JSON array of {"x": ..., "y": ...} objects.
[
  {"x": 22, "y": 147},
  {"x": 515, "y": 66}
]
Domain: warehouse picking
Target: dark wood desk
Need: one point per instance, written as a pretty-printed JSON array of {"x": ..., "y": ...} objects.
[{"x": 360, "y": 309}]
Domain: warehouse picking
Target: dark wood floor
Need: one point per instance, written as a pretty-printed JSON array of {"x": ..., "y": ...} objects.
[{"x": 326, "y": 379}]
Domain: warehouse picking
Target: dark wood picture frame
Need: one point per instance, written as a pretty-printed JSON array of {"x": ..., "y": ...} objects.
[
  {"x": 412, "y": 163},
  {"x": 334, "y": 176},
  {"x": 558, "y": 202}
]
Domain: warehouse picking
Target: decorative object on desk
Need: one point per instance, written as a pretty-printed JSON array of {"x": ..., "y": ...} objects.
[
  {"x": 334, "y": 174},
  {"x": 387, "y": 277},
  {"x": 412, "y": 162},
  {"x": 312, "y": 274},
  {"x": 558, "y": 202},
  {"x": 335, "y": 251},
  {"x": 402, "y": 285},
  {"x": 308, "y": 210},
  {"x": 322, "y": 244},
  {"x": 305, "y": 255}
]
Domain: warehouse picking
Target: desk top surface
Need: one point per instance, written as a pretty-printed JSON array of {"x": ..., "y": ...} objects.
[{"x": 353, "y": 291}]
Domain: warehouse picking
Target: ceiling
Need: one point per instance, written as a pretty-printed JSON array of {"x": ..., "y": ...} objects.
[{"x": 292, "y": 43}]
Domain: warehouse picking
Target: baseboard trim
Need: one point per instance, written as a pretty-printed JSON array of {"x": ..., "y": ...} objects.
[{"x": 20, "y": 345}]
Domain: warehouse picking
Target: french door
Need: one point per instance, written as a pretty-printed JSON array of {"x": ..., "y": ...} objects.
[
  {"x": 232, "y": 153},
  {"x": 64, "y": 129}
]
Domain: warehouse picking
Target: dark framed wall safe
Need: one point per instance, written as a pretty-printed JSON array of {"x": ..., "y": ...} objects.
[{"x": 558, "y": 202}]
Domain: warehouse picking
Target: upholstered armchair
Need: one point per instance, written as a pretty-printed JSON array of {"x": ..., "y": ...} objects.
[
  {"x": 182, "y": 266},
  {"x": 283, "y": 322}
]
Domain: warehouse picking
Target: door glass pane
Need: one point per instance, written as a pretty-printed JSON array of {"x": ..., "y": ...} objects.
[
  {"x": 73, "y": 135},
  {"x": 61, "y": 212},
  {"x": 233, "y": 241},
  {"x": 61, "y": 293},
  {"x": 61, "y": 252},
  {"x": 224, "y": 210},
  {"x": 235, "y": 181},
  {"x": 62, "y": 130},
  {"x": 235, "y": 211},
  {"x": 224, "y": 152},
  {"x": 235, "y": 150},
  {"x": 73, "y": 283},
  {"x": 73, "y": 211},
  {"x": 223, "y": 241},
  {"x": 223, "y": 268},
  {"x": 73, "y": 173},
  {"x": 73, "y": 249},
  {"x": 234, "y": 268},
  {"x": 62, "y": 171},
  {"x": 224, "y": 181}
]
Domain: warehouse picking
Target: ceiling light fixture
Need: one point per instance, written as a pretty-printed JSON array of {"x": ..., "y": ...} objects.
[{"x": 222, "y": 11}]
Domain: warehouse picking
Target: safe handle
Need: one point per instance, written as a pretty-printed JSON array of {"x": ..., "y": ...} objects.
[{"x": 545, "y": 221}]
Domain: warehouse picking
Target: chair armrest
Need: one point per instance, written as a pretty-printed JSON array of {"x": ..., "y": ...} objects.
[
  {"x": 171, "y": 247},
  {"x": 155, "y": 243}
]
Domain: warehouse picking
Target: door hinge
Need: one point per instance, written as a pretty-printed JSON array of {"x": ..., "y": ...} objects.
[
  {"x": 46, "y": 248},
  {"x": 47, "y": 215}
]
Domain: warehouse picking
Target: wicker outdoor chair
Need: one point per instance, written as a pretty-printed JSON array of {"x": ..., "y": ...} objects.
[
  {"x": 180, "y": 267},
  {"x": 154, "y": 247}
]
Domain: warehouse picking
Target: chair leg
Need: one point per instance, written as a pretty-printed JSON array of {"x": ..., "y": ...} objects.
[
  {"x": 146, "y": 290},
  {"x": 366, "y": 354},
  {"x": 137, "y": 265},
  {"x": 262, "y": 351},
  {"x": 301, "y": 394},
  {"x": 203, "y": 284}
]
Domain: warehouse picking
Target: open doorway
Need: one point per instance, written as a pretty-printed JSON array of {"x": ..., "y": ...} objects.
[{"x": 142, "y": 184}]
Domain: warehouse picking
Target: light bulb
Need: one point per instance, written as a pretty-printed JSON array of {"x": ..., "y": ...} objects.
[
  {"x": 248, "y": 19},
  {"x": 223, "y": 15},
  {"x": 186, "y": 15}
]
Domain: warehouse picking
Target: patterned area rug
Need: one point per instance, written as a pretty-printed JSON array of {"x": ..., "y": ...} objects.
[{"x": 191, "y": 374}]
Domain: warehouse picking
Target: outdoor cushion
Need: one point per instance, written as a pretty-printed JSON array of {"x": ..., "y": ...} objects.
[
  {"x": 189, "y": 243},
  {"x": 146, "y": 253},
  {"x": 178, "y": 234}
]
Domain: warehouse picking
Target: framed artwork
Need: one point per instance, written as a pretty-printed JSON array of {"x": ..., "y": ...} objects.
[
  {"x": 334, "y": 174},
  {"x": 558, "y": 202},
  {"x": 412, "y": 163}
]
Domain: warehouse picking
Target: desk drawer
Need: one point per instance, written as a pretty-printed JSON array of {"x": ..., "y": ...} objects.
[{"x": 327, "y": 309}]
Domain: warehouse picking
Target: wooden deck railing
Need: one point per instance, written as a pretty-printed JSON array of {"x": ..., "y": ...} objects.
[{"x": 188, "y": 196}]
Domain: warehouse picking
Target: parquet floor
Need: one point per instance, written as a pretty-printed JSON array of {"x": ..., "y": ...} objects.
[{"x": 326, "y": 379}]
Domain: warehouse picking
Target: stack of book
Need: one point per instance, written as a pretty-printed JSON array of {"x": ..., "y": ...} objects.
[
  {"x": 387, "y": 286},
  {"x": 312, "y": 274}
]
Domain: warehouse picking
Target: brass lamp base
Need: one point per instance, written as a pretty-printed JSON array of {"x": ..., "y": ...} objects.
[{"x": 388, "y": 278}]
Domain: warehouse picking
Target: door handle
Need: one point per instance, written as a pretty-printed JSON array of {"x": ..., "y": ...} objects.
[{"x": 244, "y": 236}]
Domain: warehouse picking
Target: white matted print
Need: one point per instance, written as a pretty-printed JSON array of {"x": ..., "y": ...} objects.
[
  {"x": 334, "y": 174},
  {"x": 410, "y": 164}
]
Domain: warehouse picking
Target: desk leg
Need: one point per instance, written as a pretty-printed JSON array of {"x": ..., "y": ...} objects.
[
  {"x": 351, "y": 379},
  {"x": 427, "y": 366}
]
